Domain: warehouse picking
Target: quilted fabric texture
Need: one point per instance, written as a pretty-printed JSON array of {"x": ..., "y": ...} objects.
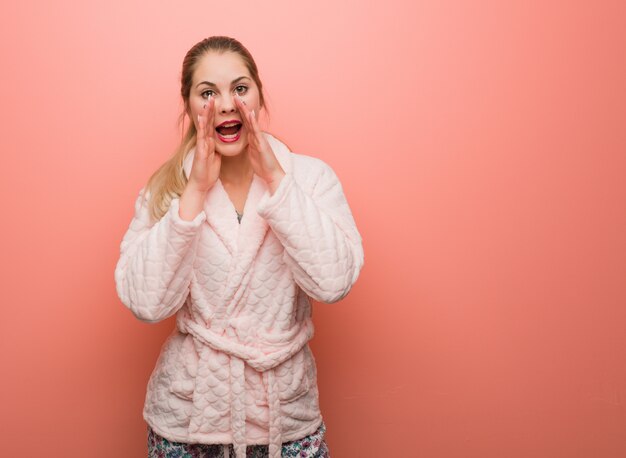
[{"x": 238, "y": 368}]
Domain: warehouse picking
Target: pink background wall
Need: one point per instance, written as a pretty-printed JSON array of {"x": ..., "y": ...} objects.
[{"x": 481, "y": 145}]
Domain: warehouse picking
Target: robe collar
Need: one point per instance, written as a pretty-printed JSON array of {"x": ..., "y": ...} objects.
[{"x": 241, "y": 239}]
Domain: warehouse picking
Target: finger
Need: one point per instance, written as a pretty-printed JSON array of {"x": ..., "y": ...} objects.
[
  {"x": 204, "y": 111},
  {"x": 200, "y": 126},
  {"x": 210, "y": 147},
  {"x": 205, "y": 108},
  {"x": 259, "y": 141},
  {"x": 243, "y": 110},
  {"x": 249, "y": 117},
  {"x": 201, "y": 136},
  {"x": 204, "y": 117},
  {"x": 255, "y": 125},
  {"x": 210, "y": 129},
  {"x": 214, "y": 156}
]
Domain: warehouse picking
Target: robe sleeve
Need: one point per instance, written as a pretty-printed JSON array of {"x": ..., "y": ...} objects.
[
  {"x": 322, "y": 245},
  {"x": 154, "y": 270}
]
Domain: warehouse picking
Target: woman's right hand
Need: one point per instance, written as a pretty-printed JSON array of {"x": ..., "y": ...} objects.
[{"x": 205, "y": 169}]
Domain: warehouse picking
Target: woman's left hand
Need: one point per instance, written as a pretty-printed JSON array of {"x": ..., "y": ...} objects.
[{"x": 263, "y": 159}]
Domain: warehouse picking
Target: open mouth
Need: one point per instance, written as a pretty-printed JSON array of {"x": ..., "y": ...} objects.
[{"x": 229, "y": 131}]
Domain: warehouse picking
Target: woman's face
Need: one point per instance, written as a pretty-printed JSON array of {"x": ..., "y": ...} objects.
[{"x": 224, "y": 76}]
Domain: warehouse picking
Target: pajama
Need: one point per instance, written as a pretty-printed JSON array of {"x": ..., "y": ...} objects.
[{"x": 312, "y": 446}]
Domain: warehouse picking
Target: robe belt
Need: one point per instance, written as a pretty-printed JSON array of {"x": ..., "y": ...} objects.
[{"x": 278, "y": 351}]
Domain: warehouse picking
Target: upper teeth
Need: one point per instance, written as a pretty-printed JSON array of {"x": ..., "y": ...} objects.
[{"x": 229, "y": 124}]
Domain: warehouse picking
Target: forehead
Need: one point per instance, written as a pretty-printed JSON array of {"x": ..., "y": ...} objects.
[{"x": 220, "y": 68}]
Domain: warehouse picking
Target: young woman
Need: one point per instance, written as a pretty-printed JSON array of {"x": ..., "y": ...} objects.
[{"x": 234, "y": 234}]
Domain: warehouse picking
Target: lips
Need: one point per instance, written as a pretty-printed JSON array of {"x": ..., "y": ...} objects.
[
  {"x": 228, "y": 128},
  {"x": 229, "y": 131}
]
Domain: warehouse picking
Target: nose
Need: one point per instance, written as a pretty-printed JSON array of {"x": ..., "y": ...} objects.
[{"x": 227, "y": 104}]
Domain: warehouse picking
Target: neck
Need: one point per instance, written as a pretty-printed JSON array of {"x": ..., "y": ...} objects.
[{"x": 236, "y": 169}]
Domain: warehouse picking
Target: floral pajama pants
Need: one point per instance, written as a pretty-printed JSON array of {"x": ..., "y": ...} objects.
[{"x": 312, "y": 446}]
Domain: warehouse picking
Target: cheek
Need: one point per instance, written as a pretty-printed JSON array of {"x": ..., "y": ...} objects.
[
  {"x": 251, "y": 99},
  {"x": 195, "y": 105},
  {"x": 199, "y": 104}
]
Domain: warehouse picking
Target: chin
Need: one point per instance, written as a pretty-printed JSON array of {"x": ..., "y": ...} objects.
[
  {"x": 231, "y": 150},
  {"x": 232, "y": 145}
]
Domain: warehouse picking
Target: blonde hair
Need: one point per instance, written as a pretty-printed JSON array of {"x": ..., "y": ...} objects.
[{"x": 169, "y": 181}]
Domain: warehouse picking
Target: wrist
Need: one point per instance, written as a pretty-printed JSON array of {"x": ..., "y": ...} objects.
[
  {"x": 274, "y": 182},
  {"x": 193, "y": 190},
  {"x": 191, "y": 203}
]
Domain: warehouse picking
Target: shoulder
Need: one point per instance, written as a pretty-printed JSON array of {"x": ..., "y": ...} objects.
[{"x": 304, "y": 160}]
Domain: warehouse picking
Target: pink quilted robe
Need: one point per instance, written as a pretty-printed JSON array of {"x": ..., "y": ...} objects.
[{"x": 237, "y": 368}]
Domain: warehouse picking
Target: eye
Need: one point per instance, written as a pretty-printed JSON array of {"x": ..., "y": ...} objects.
[
  {"x": 207, "y": 93},
  {"x": 241, "y": 89}
]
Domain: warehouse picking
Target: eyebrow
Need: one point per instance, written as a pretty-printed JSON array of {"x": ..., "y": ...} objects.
[{"x": 208, "y": 83}]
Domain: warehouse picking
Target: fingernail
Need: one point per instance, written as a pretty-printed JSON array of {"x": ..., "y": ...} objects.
[{"x": 253, "y": 114}]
